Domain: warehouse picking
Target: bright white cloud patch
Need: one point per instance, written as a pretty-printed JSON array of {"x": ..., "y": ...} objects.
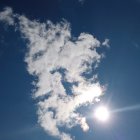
[{"x": 55, "y": 58}]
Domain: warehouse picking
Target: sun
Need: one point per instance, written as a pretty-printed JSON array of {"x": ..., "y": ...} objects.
[{"x": 102, "y": 113}]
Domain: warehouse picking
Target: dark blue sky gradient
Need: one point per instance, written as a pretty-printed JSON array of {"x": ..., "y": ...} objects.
[{"x": 120, "y": 70}]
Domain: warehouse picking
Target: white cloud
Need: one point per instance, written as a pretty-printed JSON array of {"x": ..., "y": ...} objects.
[
  {"x": 106, "y": 43},
  {"x": 7, "y": 16},
  {"x": 52, "y": 48}
]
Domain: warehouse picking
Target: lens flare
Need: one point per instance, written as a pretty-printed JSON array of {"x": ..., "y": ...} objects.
[{"x": 127, "y": 108}]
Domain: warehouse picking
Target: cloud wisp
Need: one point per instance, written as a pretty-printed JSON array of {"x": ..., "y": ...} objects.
[
  {"x": 54, "y": 58},
  {"x": 81, "y": 1}
]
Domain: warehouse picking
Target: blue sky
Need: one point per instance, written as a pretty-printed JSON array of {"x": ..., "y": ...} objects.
[{"x": 117, "y": 21}]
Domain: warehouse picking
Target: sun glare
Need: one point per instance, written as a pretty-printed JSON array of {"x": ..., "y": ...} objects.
[{"x": 102, "y": 114}]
